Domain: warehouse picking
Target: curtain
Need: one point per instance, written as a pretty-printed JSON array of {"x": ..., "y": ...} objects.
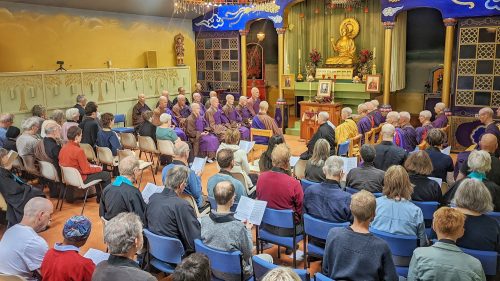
[{"x": 398, "y": 55}]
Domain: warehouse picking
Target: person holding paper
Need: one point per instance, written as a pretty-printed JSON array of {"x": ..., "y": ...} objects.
[
  {"x": 169, "y": 215},
  {"x": 489, "y": 144},
  {"x": 181, "y": 156},
  {"x": 325, "y": 132},
  {"x": 225, "y": 160},
  {"x": 220, "y": 230},
  {"x": 63, "y": 261},
  {"x": 205, "y": 144},
  {"x": 442, "y": 163},
  {"x": 231, "y": 140},
  {"x": 264, "y": 122},
  {"x": 234, "y": 118},
  {"x": 366, "y": 177},
  {"x": 348, "y": 128},
  {"x": 121, "y": 195},
  {"x": 419, "y": 167},
  {"x": 387, "y": 153},
  {"x": 409, "y": 133}
]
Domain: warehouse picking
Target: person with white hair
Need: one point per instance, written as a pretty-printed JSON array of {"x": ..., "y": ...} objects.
[
  {"x": 425, "y": 119},
  {"x": 265, "y": 122},
  {"x": 244, "y": 112},
  {"x": 393, "y": 119},
  {"x": 213, "y": 117},
  {"x": 348, "y": 128},
  {"x": 138, "y": 109},
  {"x": 198, "y": 98},
  {"x": 479, "y": 163},
  {"x": 81, "y": 102},
  {"x": 72, "y": 117},
  {"x": 325, "y": 131},
  {"x": 387, "y": 153},
  {"x": 378, "y": 118},
  {"x": 181, "y": 110},
  {"x": 123, "y": 237},
  {"x": 488, "y": 143},
  {"x": 6, "y": 120},
  {"x": 27, "y": 141},
  {"x": 163, "y": 108},
  {"x": 234, "y": 119},
  {"x": 21, "y": 248},
  {"x": 486, "y": 117},
  {"x": 211, "y": 95},
  {"x": 165, "y": 131},
  {"x": 441, "y": 119},
  {"x": 365, "y": 124},
  {"x": 254, "y": 101},
  {"x": 409, "y": 133},
  {"x": 49, "y": 147}
]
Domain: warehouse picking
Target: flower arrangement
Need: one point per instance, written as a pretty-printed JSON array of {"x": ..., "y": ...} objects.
[
  {"x": 365, "y": 60},
  {"x": 315, "y": 57}
]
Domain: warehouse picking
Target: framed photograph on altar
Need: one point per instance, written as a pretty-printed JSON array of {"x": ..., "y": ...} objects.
[
  {"x": 372, "y": 83},
  {"x": 288, "y": 81},
  {"x": 324, "y": 88}
]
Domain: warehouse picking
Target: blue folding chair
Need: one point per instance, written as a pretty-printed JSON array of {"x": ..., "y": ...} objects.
[
  {"x": 428, "y": 208},
  {"x": 378, "y": 194},
  {"x": 261, "y": 267},
  {"x": 120, "y": 118},
  {"x": 213, "y": 204},
  {"x": 402, "y": 247},
  {"x": 343, "y": 149},
  {"x": 318, "y": 229},
  {"x": 351, "y": 190},
  {"x": 488, "y": 260},
  {"x": 494, "y": 215},
  {"x": 221, "y": 261},
  {"x": 306, "y": 183},
  {"x": 282, "y": 219},
  {"x": 320, "y": 277},
  {"x": 163, "y": 251}
]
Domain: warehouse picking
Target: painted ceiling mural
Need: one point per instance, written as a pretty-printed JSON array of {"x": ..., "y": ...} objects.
[{"x": 235, "y": 17}]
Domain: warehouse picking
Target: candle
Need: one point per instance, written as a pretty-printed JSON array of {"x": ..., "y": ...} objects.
[
  {"x": 374, "y": 49},
  {"x": 299, "y": 54}
]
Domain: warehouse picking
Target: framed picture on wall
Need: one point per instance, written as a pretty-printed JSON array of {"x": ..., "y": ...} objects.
[
  {"x": 324, "y": 88},
  {"x": 372, "y": 83},
  {"x": 288, "y": 81}
]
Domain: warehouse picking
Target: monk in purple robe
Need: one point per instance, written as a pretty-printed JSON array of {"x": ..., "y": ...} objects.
[
  {"x": 373, "y": 114},
  {"x": 234, "y": 118},
  {"x": 197, "y": 98},
  {"x": 162, "y": 108},
  {"x": 399, "y": 137},
  {"x": 409, "y": 133},
  {"x": 379, "y": 118},
  {"x": 486, "y": 117},
  {"x": 425, "y": 119},
  {"x": 441, "y": 120},
  {"x": 181, "y": 111},
  {"x": 264, "y": 122},
  {"x": 204, "y": 143},
  {"x": 364, "y": 123},
  {"x": 254, "y": 101},
  {"x": 244, "y": 112},
  {"x": 213, "y": 116}
]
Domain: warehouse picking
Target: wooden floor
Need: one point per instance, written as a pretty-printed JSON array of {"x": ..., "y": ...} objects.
[{"x": 53, "y": 234}]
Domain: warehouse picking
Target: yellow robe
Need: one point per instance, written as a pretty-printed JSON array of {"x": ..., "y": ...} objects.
[{"x": 346, "y": 130}]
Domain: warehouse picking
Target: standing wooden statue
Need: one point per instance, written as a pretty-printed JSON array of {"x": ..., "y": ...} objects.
[{"x": 179, "y": 49}]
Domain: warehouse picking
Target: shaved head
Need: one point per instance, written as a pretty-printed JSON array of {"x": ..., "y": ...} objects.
[
  {"x": 165, "y": 93},
  {"x": 388, "y": 132},
  {"x": 263, "y": 106},
  {"x": 489, "y": 143},
  {"x": 214, "y": 102},
  {"x": 439, "y": 107},
  {"x": 486, "y": 115},
  {"x": 375, "y": 103},
  {"x": 197, "y": 97},
  {"x": 255, "y": 92},
  {"x": 230, "y": 99},
  {"x": 213, "y": 94},
  {"x": 392, "y": 118},
  {"x": 362, "y": 109},
  {"x": 369, "y": 106}
]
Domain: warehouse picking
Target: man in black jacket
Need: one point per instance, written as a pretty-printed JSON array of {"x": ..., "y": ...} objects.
[
  {"x": 89, "y": 124},
  {"x": 81, "y": 102},
  {"x": 325, "y": 131},
  {"x": 387, "y": 153}
]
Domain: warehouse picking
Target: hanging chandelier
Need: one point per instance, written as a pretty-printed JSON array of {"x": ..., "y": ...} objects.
[{"x": 202, "y": 6}]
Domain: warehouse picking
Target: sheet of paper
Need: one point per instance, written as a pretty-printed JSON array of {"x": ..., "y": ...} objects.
[
  {"x": 246, "y": 145},
  {"x": 96, "y": 256},
  {"x": 198, "y": 164},
  {"x": 149, "y": 190},
  {"x": 446, "y": 150},
  {"x": 251, "y": 210},
  {"x": 259, "y": 208},
  {"x": 438, "y": 180},
  {"x": 294, "y": 160},
  {"x": 349, "y": 163}
]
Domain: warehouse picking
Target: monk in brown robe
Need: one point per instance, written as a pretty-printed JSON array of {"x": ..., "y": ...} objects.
[
  {"x": 243, "y": 111},
  {"x": 214, "y": 119},
  {"x": 161, "y": 108},
  {"x": 264, "y": 122},
  {"x": 204, "y": 143},
  {"x": 181, "y": 111},
  {"x": 254, "y": 101}
]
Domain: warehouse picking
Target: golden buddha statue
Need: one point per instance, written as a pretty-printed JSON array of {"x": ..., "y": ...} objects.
[{"x": 344, "y": 46}]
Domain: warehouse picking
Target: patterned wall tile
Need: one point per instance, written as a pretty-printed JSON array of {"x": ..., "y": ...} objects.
[
  {"x": 466, "y": 67},
  {"x": 217, "y": 65},
  {"x": 486, "y": 51},
  {"x": 233, "y": 43},
  {"x": 216, "y": 44},
  {"x": 464, "y": 98},
  {"x": 209, "y": 54},
  {"x": 209, "y": 75},
  {"x": 483, "y": 83},
  {"x": 468, "y": 35},
  {"x": 495, "y": 99}
]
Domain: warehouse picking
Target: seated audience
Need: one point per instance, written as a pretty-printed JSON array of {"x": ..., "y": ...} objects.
[
  {"x": 180, "y": 158},
  {"x": 281, "y": 190},
  {"x": 409, "y": 133},
  {"x": 146, "y": 128},
  {"x": 387, "y": 153},
  {"x": 123, "y": 237},
  {"x": 253, "y": 102},
  {"x": 57, "y": 117},
  {"x": 419, "y": 167},
  {"x": 444, "y": 261},
  {"x": 221, "y": 231},
  {"x": 205, "y": 144},
  {"x": 138, "y": 109},
  {"x": 39, "y": 110},
  {"x": 365, "y": 124},
  {"x": 396, "y": 214},
  {"x": 441, "y": 119},
  {"x": 281, "y": 274},
  {"x": 90, "y": 125},
  {"x": 481, "y": 231},
  {"x": 348, "y": 128},
  {"x": 196, "y": 267},
  {"x": 326, "y": 200},
  {"x": 27, "y": 141},
  {"x": 21, "y": 248},
  {"x": 121, "y": 195},
  {"x": 72, "y": 155},
  {"x": 241, "y": 165},
  {"x": 366, "y": 177},
  {"x": 81, "y": 102},
  {"x": 353, "y": 253},
  {"x": 489, "y": 144},
  {"x": 48, "y": 149},
  {"x": 479, "y": 163},
  {"x": 107, "y": 137},
  {"x": 265, "y": 161},
  {"x": 169, "y": 215},
  {"x": 486, "y": 118},
  {"x": 225, "y": 160},
  {"x": 326, "y": 132},
  {"x": 6, "y": 121},
  {"x": 264, "y": 122},
  {"x": 314, "y": 167},
  {"x": 11, "y": 137},
  {"x": 72, "y": 117},
  {"x": 63, "y": 262},
  {"x": 425, "y": 121},
  {"x": 442, "y": 164},
  {"x": 165, "y": 131}
]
